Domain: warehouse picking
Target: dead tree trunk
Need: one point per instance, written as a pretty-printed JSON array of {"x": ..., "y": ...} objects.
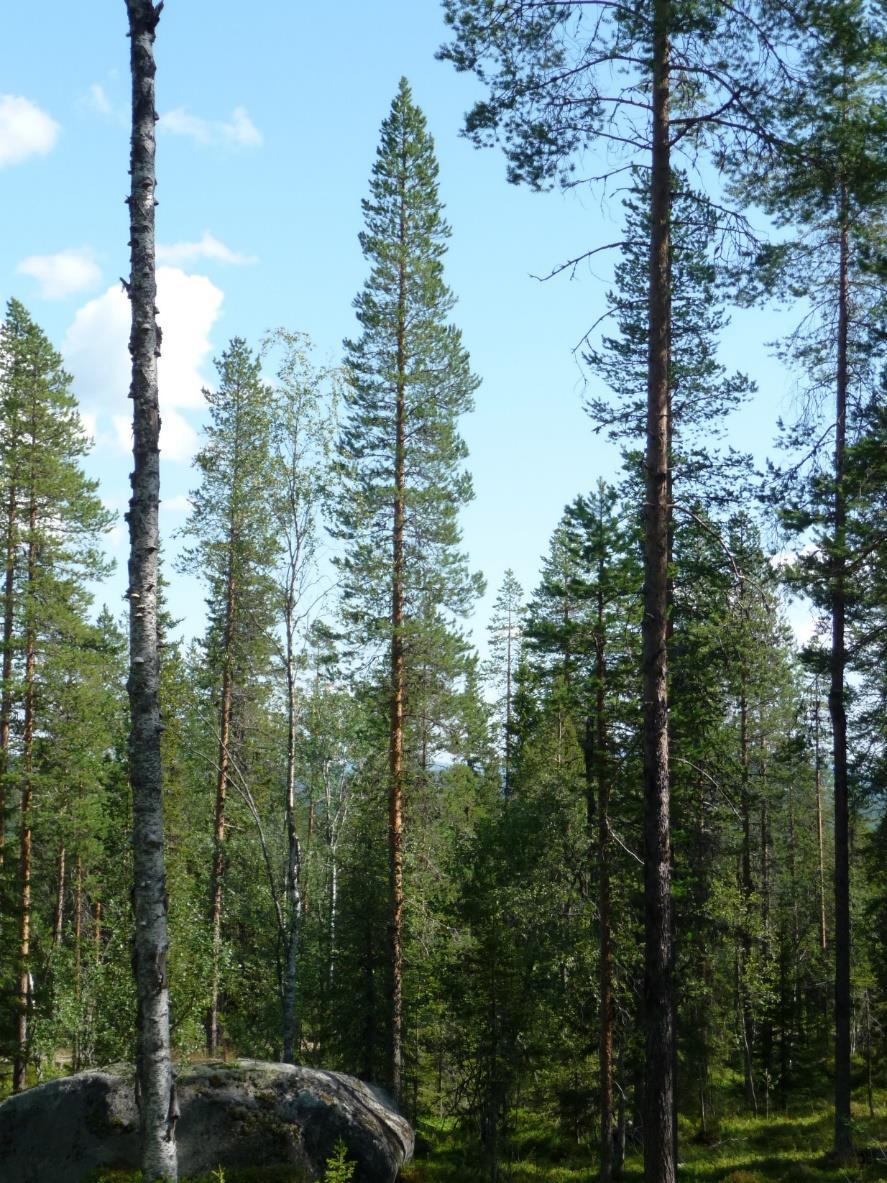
[
  {"x": 218, "y": 866},
  {"x": 838, "y": 712},
  {"x": 396, "y": 735},
  {"x": 59, "y": 923},
  {"x": 659, "y": 1128},
  {"x": 6, "y": 674},
  {"x": 155, "y": 1089},
  {"x": 294, "y": 856},
  {"x": 20, "y": 1061},
  {"x": 607, "y": 1007}
]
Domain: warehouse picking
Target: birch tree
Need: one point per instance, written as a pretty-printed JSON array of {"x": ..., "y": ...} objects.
[{"x": 155, "y": 1086}]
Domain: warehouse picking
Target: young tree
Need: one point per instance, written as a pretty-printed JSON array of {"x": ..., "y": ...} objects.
[
  {"x": 156, "y": 1090},
  {"x": 505, "y": 631},
  {"x": 408, "y": 382},
  {"x": 302, "y": 437}
]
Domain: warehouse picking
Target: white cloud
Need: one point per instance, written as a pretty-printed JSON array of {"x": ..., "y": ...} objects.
[
  {"x": 25, "y": 130},
  {"x": 98, "y": 101},
  {"x": 179, "y": 504},
  {"x": 62, "y": 274},
  {"x": 95, "y": 350},
  {"x": 238, "y": 132},
  {"x": 209, "y": 247}
]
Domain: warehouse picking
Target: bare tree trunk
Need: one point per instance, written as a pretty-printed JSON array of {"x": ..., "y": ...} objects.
[
  {"x": 746, "y": 887},
  {"x": 6, "y": 674},
  {"x": 78, "y": 958},
  {"x": 838, "y": 712},
  {"x": 155, "y": 1088},
  {"x": 218, "y": 867},
  {"x": 659, "y": 1129},
  {"x": 766, "y": 943},
  {"x": 509, "y": 724},
  {"x": 23, "y": 1000},
  {"x": 607, "y": 1006},
  {"x": 59, "y": 924},
  {"x": 396, "y": 771},
  {"x": 823, "y": 930},
  {"x": 294, "y": 859}
]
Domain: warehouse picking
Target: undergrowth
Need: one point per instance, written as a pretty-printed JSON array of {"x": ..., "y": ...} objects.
[{"x": 784, "y": 1148}]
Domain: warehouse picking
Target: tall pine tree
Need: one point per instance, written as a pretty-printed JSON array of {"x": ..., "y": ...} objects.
[{"x": 408, "y": 381}]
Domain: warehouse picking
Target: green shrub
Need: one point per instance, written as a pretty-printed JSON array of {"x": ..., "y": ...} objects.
[{"x": 338, "y": 1169}]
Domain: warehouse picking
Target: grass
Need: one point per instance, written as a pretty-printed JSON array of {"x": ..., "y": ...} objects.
[
  {"x": 791, "y": 1148},
  {"x": 281, "y": 1174}
]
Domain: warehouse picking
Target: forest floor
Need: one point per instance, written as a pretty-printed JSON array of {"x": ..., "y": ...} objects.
[
  {"x": 738, "y": 1148},
  {"x": 790, "y": 1148}
]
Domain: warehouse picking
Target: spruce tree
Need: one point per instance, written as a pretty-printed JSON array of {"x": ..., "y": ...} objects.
[
  {"x": 408, "y": 381},
  {"x": 505, "y": 632}
]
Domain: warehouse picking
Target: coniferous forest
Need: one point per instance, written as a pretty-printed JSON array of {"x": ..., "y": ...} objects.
[{"x": 604, "y": 896}]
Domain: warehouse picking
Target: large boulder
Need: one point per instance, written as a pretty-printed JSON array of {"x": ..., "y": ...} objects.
[{"x": 242, "y": 1114}]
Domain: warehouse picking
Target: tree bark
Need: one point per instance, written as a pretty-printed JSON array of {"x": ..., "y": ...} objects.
[
  {"x": 218, "y": 867},
  {"x": 78, "y": 959},
  {"x": 155, "y": 1088},
  {"x": 59, "y": 924},
  {"x": 746, "y": 886},
  {"x": 838, "y": 712},
  {"x": 20, "y": 1061},
  {"x": 396, "y": 735},
  {"x": 607, "y": 1007},
  {"x": 294, "y": 857},
  {"x": 6, "y": 674},
  {"x": 659, "y": 1128},
  {"x": 823, "y": 929}
]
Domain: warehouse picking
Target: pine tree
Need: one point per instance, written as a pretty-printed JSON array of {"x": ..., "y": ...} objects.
[
  {"x": 408, "y": 381},
  {"x": 53, "y": 521},
  {"x": 548, "y": 69},
  {"x": 831, "y": 183},
  {"x": 234, "y": 550}
]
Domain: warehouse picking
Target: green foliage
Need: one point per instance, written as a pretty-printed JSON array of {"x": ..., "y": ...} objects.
[{"x": 338, "y": 1168}]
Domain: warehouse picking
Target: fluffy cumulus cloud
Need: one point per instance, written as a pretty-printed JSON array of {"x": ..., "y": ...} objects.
[
  {"x": 209, "y": 247},
  {"x": 95, "y": 350},
  {"x": 237, "y": 132},
  {"x": 62, "y": 274},
  {"x": 25, "y": 130}
]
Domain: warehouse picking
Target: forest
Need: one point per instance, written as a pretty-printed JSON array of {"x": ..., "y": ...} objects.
[{"x": 605, "y": 896}]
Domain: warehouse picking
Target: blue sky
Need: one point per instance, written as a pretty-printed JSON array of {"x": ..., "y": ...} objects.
[{"x": 269, "y": 123}]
